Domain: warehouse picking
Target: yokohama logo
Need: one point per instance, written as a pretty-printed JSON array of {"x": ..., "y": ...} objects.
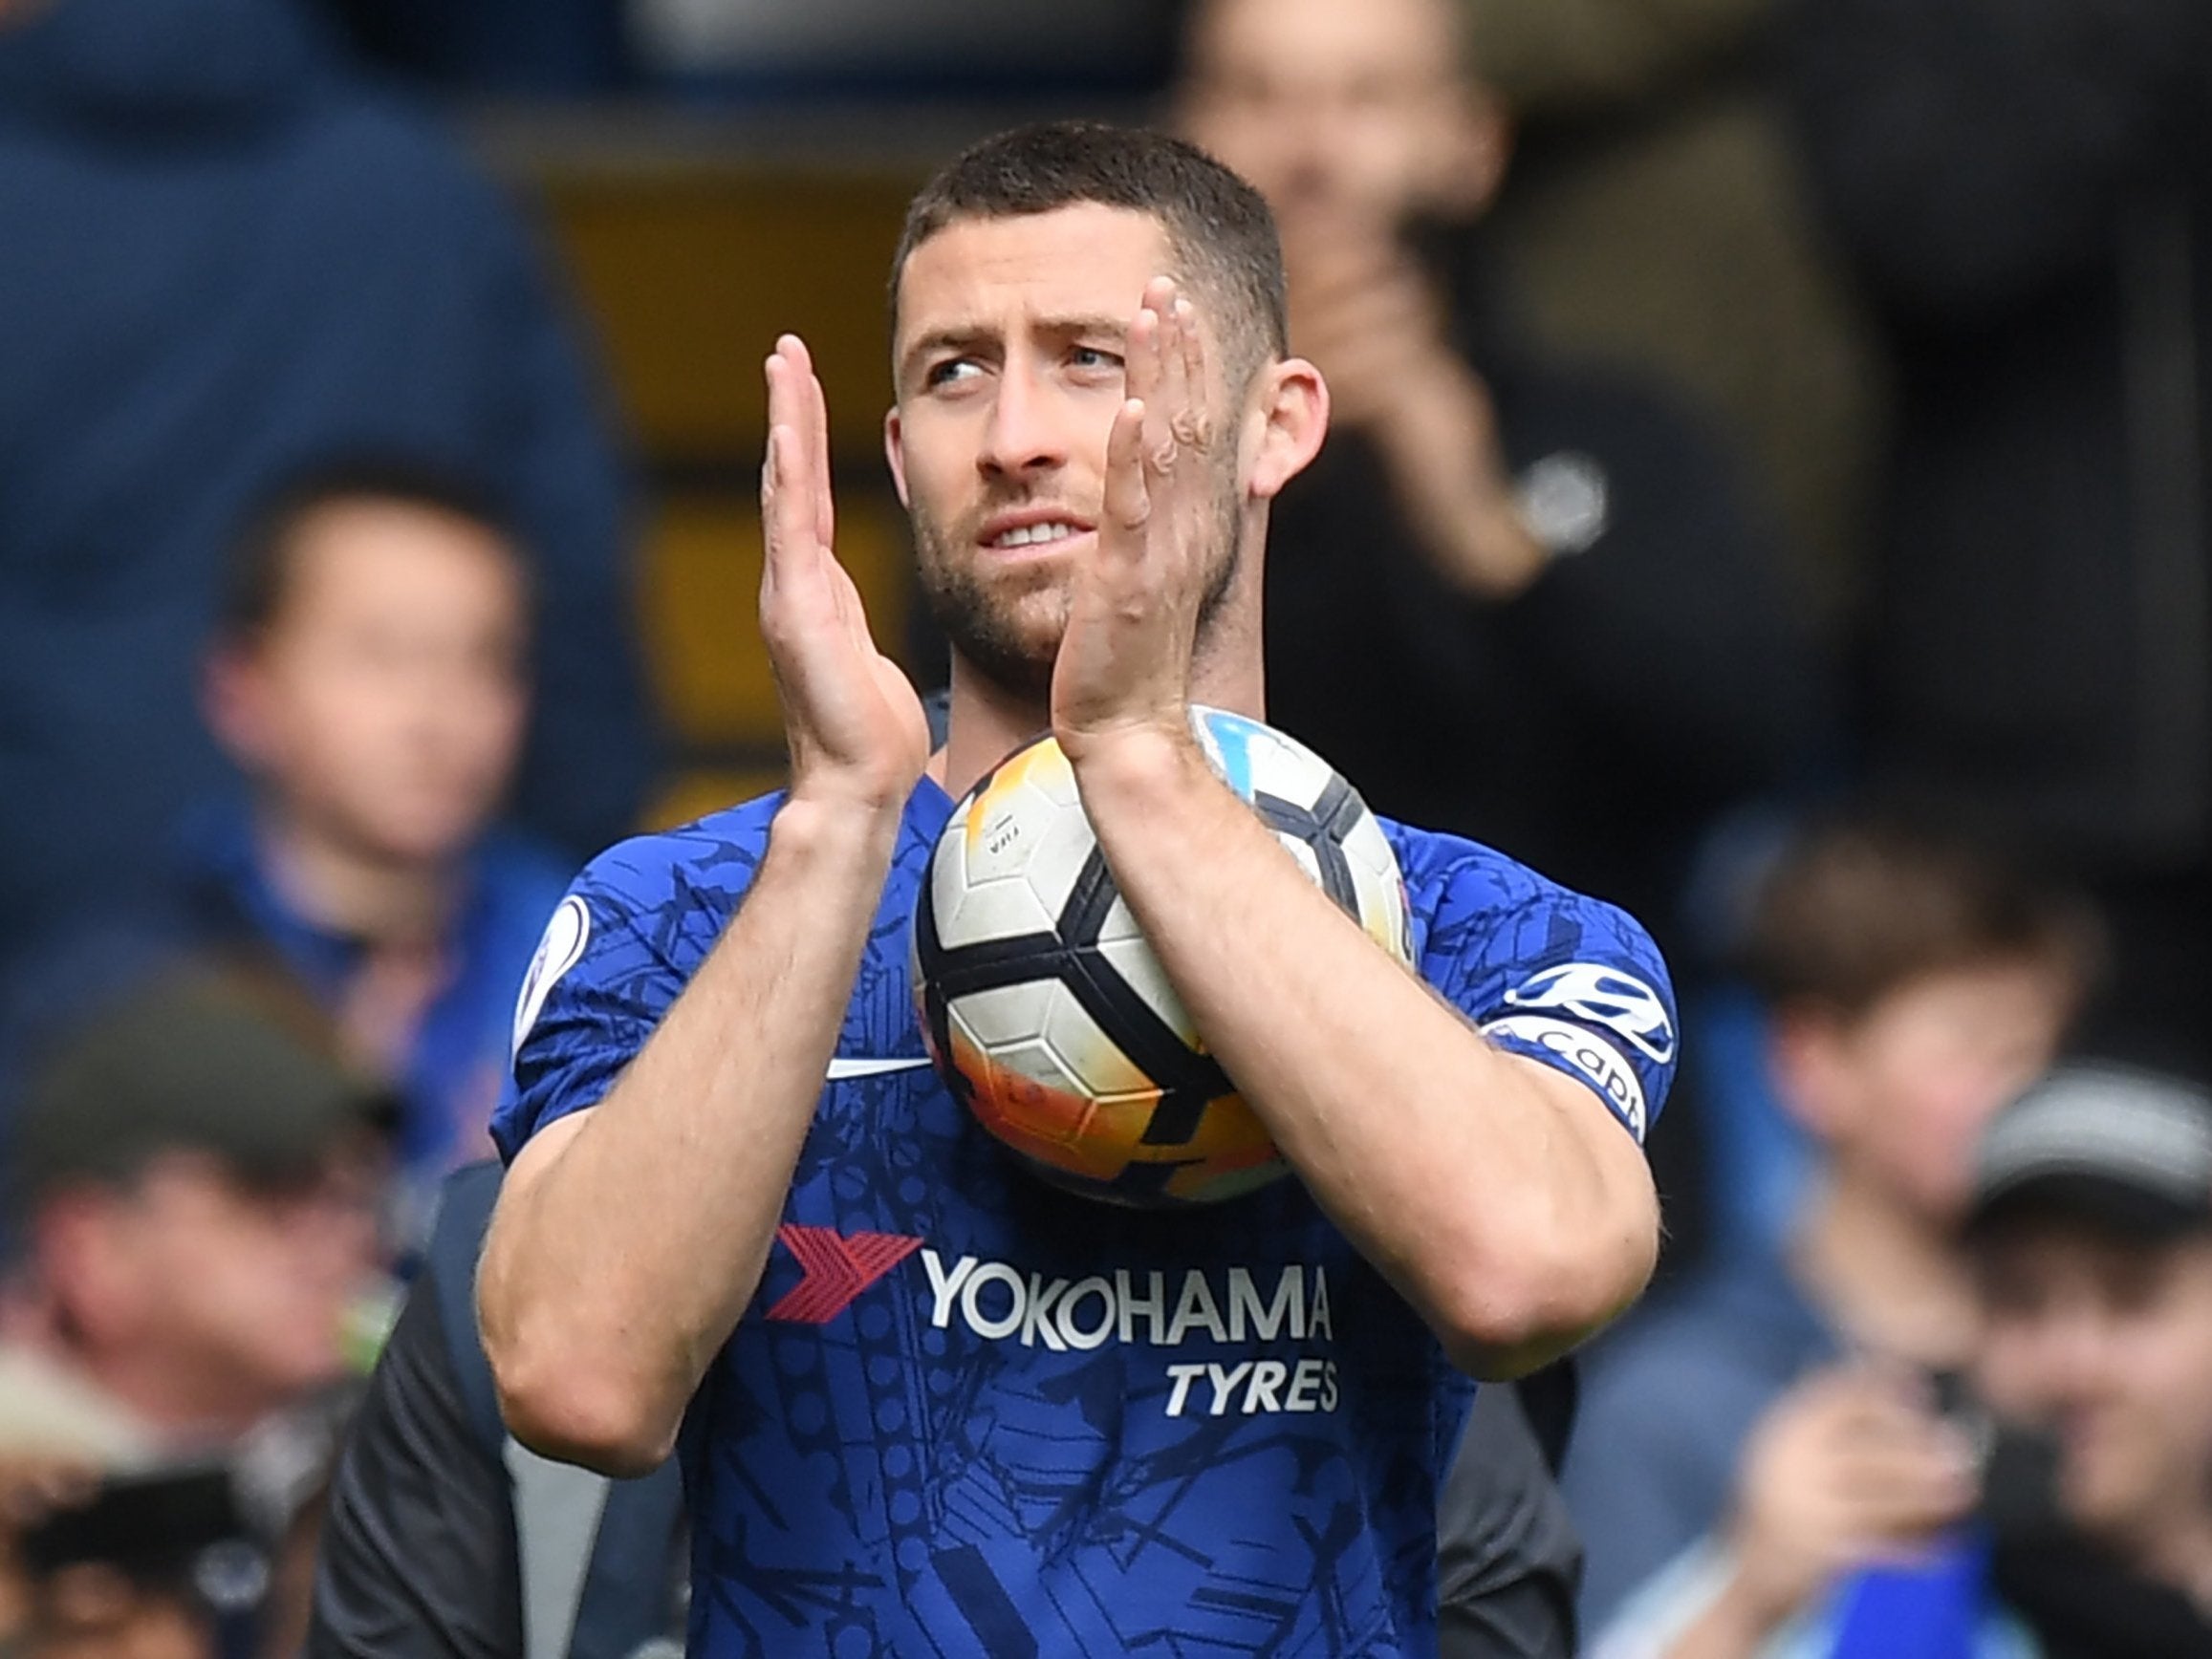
[
  {"x": 835, "y": 1267},
  {"x": 999, "y": 1302}
]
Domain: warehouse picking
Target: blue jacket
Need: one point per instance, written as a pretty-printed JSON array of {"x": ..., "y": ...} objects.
[
  {"x": 222, "y": 257},
  {"x": 459, "y": 1057}
]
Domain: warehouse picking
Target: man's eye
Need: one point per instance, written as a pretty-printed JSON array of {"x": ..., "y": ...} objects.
[
  {"x": 1094, "y": 357},
  {"x": 952, "y": 368}
]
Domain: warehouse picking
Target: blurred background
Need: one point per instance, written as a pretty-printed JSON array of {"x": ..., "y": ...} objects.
[
  {"x": 708, "y": 176},
  {"x": 1770, "y": 487}
]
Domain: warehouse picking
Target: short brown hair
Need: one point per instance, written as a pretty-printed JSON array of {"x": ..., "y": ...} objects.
[
  {"x": 1859, "y": 907},
  {"x": 1216, "y": 225},
  {"x": 257, "y": 579}
]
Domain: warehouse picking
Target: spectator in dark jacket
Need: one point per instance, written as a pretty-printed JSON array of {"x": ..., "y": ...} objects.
[
  {"x": 1657, "y": 216},
  {"x": 223, "y": 255},
  {"x": 1520, "y": 602},
  {"x": 446, "y": 1537}
]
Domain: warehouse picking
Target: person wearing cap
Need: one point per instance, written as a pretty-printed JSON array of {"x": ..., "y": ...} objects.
[
  {"x": 2090, "y": 1231},
  {"x": 193, "y": 1189}
]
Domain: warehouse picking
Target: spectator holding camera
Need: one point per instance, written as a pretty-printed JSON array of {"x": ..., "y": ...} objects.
[
  {"x": 2091, "y": 1240},
  {"x": 195, "y": 1187},
  {"x": 1750, "y": 1449}
]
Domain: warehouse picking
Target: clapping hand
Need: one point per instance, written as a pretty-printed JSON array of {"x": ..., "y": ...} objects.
[
  {"x": 1125, "y": 663},
  {"x": 854, "y": 725}
]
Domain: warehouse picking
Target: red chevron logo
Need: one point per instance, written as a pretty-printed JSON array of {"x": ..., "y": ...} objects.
[{"x": 834, "y": 1268}]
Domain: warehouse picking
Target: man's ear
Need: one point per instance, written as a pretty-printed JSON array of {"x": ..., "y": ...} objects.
[
  {"x": 895, "y": 452},
  {"x": 82, "y": 1261},
  {"x": 1806, "y": 1062},
  {"x": 234, "y": 701},
  {"x": 1286, "y": 420}
]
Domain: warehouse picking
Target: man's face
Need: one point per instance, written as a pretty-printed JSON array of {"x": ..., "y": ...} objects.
[
  {"x": 1908, "y": 1087},
  {"x": 386, "y": 700},
  {"x": 243, "y": 1289},
  {"x": 2108, "y": 1344},
  {"x": 1009, "y": 372},
  {"x": 1318, "y": 103}
]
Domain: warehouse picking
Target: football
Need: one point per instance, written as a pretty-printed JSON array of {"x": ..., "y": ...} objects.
[{"x": 1047, "y": 1012}]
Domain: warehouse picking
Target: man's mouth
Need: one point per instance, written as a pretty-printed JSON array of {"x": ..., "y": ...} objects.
[{"x": 1014, "y": 534}]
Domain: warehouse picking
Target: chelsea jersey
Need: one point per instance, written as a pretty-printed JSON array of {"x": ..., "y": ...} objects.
[{"x": 968, "y": 1413}]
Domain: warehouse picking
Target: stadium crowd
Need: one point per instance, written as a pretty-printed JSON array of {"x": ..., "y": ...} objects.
[{"x": 1770, "y": 487}]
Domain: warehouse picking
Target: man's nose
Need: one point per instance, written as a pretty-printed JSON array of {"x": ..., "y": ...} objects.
[
  {"x": 2078, "y": 1348},
  {"x": 1028, "y": 430}
]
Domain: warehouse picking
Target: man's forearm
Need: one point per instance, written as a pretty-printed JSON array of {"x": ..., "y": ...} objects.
[
  {"x": 1494, "y": 1192},
  {"x": 620, "y": 1261}
]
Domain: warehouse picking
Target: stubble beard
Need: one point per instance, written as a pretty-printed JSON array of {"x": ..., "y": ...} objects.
[{"x": 1009, "y": 633}]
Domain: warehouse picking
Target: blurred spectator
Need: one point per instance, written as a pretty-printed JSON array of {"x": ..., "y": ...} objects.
[
  {"x": 197, "y": 1186},
  {"x": 2025, "y": 187},
  {"x": 369, "y": 681},
  {"x": 1747, "y": 1447},
  {"x": 1510, "y": 601},
  {"x": 1657, "y": 216},
  {"x": 226, "y": 256},
  {"x": 2092, "y": 1242}
]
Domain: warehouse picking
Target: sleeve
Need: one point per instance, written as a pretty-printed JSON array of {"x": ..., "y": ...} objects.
[
  {"x": 417, "y": 1552},
  {"x": 598, "y": 985},
  {"x": 1565, "y": 981}
]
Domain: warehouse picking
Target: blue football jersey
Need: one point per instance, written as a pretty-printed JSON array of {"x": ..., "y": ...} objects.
[{"x": 968, "y": 1413}]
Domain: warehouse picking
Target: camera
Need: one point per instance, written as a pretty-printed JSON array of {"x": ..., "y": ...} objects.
[{"x": 180, "y": 1526}]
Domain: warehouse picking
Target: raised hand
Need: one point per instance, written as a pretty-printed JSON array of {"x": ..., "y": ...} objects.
[
  {"x": 1846, "y": 1469},
  {"x": 854, "y": 725},
  {"x": 1133, "y": 615},
  {"x": 1362, "y": 310}
]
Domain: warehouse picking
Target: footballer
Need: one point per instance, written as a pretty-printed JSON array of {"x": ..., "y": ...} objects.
[{"x": 925, "y": 1402}]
